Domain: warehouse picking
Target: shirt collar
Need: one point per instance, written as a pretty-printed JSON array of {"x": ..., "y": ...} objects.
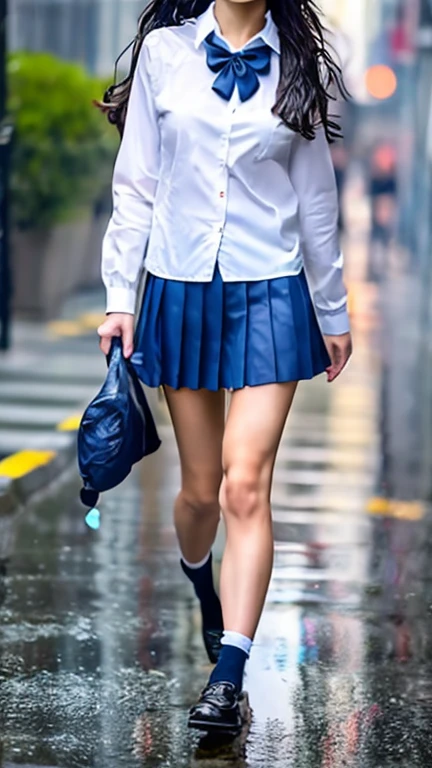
[{"x": 207, "y": 23}]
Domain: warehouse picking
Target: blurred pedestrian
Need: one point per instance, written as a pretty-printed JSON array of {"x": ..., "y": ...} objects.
[
  {"x": 383, "y": 191},
  {"x": 340, "y": 159},
  {"x": 224, "y": 177}
]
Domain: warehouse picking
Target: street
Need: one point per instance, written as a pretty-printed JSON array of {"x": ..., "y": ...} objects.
[
  {"x": 101, "y": 654},
  {"x": 101, "y": 650}
]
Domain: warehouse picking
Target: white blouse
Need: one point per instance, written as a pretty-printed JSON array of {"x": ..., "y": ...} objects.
[{"x": 200, "y": 180}]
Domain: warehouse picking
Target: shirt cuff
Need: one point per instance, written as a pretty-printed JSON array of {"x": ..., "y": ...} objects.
[
  {"x": 121, "y": 300},
  {"x": 334, "y": 323}
]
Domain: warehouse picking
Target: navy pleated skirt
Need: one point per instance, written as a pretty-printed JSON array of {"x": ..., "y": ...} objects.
[{"x": 220, "y": 335}]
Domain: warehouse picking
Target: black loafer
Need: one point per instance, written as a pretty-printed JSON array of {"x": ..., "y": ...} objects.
[
  {"x": 218, "y": 710},
  {"x": 212, "y": 641}
]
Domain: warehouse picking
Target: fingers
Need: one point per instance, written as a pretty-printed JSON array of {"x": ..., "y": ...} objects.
[
  {"x": 117, "y": 325},
  {"x": 106, "y": 333},
  {"x": 128, "y": 341},
  {"x": 105, "y": 344},
  {"x": 340, "y": 351},
  {"x": 336, "y": 368}
]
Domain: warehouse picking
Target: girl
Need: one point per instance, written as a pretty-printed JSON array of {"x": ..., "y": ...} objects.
[{"x": 224, "y": 190}]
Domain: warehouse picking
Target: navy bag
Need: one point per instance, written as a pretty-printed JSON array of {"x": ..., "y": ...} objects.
[{"x": 117, "y": 429}]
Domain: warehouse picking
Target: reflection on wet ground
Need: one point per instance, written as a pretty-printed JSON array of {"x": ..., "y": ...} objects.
[{"x": 100, "y": 640}]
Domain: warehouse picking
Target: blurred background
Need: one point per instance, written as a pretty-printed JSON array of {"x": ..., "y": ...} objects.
[
  {"x": 57, "y": 155},
  {"x": 342, "y": 663}
]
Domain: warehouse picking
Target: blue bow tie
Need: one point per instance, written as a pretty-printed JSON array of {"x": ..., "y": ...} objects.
[{"x": 240, "y": 68}]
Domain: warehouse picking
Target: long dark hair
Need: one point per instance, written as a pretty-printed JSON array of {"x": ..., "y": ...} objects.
[{"x": 309, "y": 74}]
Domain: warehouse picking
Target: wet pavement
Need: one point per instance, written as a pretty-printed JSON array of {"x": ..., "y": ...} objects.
[
  {"x": 101, "y": 654},
  {"x": 100, "y": 648},
  {"x": 47, "y": 375}
]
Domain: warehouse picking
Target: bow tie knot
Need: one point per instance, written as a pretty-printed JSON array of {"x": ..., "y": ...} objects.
[{"x": 241, "y": 68}]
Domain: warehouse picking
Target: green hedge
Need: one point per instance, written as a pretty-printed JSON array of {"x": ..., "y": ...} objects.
[{"x": 63, "y": 150}]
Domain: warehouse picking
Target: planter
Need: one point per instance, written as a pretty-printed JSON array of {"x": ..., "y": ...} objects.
[
  {"x": 47, "y": 266},
  {"x": 61, "y": 164},
  {"x": 90, "y": 276}
]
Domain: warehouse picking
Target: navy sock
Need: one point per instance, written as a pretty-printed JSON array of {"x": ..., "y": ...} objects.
[
  {"x": 202, "y": 579},
  {"x": 230, "y": 667}
]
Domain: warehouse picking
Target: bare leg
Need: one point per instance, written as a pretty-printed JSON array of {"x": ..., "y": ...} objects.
[
  {"x": 254, "y": 428},
  {"x": 198, "y": 419}
]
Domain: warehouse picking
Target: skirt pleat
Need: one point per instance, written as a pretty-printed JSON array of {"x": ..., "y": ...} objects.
[
  {"x": 234, "y": 335},
  {"x": 191, "y": 336},
  {"x": 220, "y": 335},
  {"x": 314, "y": 356},
  {"x": 171, "y": 331},
  {"x": 302, "y": 320},
  {"x": 285, "y": 343},
  {"x": 212, "y": 329},
  {"x": 149, "y": 352},
  {"x": 260, "y": 353}
]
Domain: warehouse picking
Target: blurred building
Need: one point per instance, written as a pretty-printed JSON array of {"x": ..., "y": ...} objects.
[
  {"x": 353, "y": 24},
  {"x": 397, "y": 35},
  {"x": 90, "y": 31},
  {"x": 404, "y": 43}
]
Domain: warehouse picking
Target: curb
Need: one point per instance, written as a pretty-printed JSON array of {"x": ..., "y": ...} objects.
[
  {"x": 18, "y": 486},
  {"x": 28, "y": 472},
  {"x": 17, "y": 491}
]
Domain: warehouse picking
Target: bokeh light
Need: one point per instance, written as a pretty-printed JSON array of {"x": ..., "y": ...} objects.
[{"x": 381, "y": 81}]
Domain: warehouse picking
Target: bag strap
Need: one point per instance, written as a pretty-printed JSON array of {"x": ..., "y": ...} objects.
[{"x": 115, "y": 349}]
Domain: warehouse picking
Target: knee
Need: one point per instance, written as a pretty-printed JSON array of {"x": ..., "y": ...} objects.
[
  {"x": 200, "y": 502},
  {"x": 241, "y": 494}
]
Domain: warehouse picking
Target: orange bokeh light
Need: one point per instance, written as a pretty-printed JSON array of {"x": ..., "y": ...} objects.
[{"x": 381, "y": 81}]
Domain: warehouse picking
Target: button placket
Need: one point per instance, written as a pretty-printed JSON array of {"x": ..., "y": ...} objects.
[
  {"x": 226, "y": 141},
  {"x": 224, "y": 198},
  {"x": 223, "y": 189}
]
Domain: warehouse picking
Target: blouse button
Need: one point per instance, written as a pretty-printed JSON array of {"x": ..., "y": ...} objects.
[{"x": 222, "y": 194}]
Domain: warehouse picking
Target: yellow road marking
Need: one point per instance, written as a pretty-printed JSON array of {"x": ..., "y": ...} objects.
[
  {"x": 400, "y": 510},
  {"x": 65, "y": 328},
  {"x": 70, "y": 424},
  {"x": 92, "y": 320},
  {"x": 82, "y": 325},
  {"x": 20, "y": 464}
]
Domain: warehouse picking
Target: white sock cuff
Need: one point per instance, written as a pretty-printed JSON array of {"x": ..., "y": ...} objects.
[
  {"x": 196, "y": 566},
  {"x": 238, "y": 641}
]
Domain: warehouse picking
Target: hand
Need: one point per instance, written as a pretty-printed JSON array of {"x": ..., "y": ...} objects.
[
  {"x": 117, "y": 324},
  {"x": 340, "y": 351}
]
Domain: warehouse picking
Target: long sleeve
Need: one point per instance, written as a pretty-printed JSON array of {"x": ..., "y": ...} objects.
[
  {"x": 312, "y": 175},
  {"x": 135, "y": 182}
]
